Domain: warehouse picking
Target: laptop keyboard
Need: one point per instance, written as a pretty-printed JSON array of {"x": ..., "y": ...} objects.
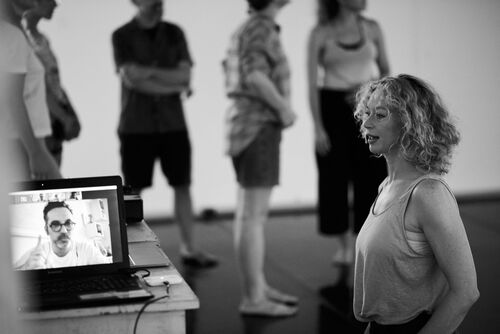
[{"x": 80, "y": 285}]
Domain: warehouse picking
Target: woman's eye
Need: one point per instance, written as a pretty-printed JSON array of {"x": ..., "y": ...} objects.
[{"x": 381, "y": 114}]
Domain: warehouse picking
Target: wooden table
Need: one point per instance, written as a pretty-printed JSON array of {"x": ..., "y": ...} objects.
[{"x": 168, "y": 315}]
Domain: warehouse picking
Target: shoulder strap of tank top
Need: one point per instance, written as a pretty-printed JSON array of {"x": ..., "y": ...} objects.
[
  {"x": 428, "y": 177},
  {"x": 407, "y": 194}
]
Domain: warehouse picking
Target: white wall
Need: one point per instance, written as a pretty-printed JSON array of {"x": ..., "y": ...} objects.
[{"x": 451, "y": 43}]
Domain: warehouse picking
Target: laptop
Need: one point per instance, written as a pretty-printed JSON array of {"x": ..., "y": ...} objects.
[{"x": 69, "y": 244}]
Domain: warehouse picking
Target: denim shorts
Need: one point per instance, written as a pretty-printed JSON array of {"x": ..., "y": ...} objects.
[{"x": 258, "y": 164}]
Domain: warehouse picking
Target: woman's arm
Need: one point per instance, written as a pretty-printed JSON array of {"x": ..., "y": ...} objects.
[
  {"x": 266, "y": 90},
  {"x": 322, "y": 142},
  {"x": 438, "y": 216}
]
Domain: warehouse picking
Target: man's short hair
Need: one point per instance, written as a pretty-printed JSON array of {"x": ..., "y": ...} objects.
[{"x": 54, "y": 205}]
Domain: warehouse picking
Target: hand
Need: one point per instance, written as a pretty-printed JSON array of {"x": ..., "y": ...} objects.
[
  {"x": 42, "y": 164},
  {"x": 36, "y": 259},
  {"x": 322, "y": 141},
  {"x": 132, "y": 73},
  {"x": 137, "y": 72},
  {"x": 71, "y": 128},
  {"x": 288, "y": 118}
]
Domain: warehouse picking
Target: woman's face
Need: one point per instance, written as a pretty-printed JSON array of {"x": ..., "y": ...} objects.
[{"x": 381, "y": 127}]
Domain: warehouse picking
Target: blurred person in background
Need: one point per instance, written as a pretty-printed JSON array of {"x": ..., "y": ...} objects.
[
  {"x": 258, "y": 84},
  {"x": 64, "y": 121},
  {"x": 25, "y": 117},
  {"x": 345, "y": 50},
  {"x": 154, "y": 65}
]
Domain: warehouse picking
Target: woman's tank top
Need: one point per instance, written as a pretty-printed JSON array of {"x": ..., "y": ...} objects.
[
  {"x": 348, "y": 67},
  {"x": 396, "y": 274}
]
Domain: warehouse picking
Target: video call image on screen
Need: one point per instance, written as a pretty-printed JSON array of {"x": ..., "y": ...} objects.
[{"x": 54, "y": 229}]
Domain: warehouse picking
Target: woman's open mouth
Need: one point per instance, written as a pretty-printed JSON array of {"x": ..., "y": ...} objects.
[{"x": 371, "y": 139}]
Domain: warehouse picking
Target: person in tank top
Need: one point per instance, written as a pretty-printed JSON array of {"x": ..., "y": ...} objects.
[
  {"x": 345, "y": 51},
  {"x": 414, "y": 270}
]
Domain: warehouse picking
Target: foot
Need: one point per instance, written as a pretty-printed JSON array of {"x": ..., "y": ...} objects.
[
  {"x": 280, "y": 297},
  {"x": 199, "y": 259},
  {"x": 267, "y": 308},
  {"x": 349, "y": 256},
  {"x": 343, "y": 257},
  {"x": 339, "y": 257}
]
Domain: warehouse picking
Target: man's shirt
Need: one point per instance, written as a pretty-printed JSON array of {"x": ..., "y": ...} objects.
[
  {"x": 82, "y": 253},
  {"x": 163, "y": 46}
]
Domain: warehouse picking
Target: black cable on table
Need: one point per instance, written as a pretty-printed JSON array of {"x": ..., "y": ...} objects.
[{"x": 149, "y": 302}]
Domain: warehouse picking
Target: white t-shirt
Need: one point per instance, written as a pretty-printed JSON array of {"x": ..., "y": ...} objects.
[
  {"x": 82, "y": 253},
  {"x": 17, "y": 57}
]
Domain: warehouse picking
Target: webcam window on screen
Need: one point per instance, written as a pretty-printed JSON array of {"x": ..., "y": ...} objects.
[{"x": 45, "y": 222}]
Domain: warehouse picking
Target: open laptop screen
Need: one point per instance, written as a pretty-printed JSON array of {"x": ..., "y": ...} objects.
[{"x": 58, "y": 226}]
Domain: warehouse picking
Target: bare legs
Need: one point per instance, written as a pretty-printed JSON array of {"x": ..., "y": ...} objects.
[
  {"x": 251, "y": 215},
  {"x": 184, "y": 215},
  {"x": 345, "y": 252}
]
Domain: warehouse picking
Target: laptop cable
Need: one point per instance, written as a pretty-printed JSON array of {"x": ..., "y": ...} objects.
[{"x": 147, "y": 303}]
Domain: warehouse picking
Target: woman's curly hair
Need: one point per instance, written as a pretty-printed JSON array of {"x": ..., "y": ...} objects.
[{"x": 428, "y": 135}]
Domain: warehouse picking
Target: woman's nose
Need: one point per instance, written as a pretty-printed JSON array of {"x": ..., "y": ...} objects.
[{"x": 367, "y": 123}]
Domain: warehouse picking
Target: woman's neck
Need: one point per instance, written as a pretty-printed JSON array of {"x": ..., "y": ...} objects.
[
  {"x": 346, "y": 16},
  {"x": 398, "y": 169},
  {"x": 270, "y": 12}
]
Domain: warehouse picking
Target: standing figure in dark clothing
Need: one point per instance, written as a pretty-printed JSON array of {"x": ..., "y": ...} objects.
[
  {"x": 154, "y": 65},
  {"x": 345, "y": 50}
]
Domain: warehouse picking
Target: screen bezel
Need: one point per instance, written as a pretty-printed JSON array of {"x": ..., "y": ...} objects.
[{"x": 85, "y": 182}]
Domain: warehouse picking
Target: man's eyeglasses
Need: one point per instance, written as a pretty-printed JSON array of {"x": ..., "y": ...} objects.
[
  {"x": 379, "y": 114},
  {"x": 56, "y": 225}
]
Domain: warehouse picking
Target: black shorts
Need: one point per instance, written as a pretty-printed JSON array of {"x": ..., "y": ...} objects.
[
  {"x": 410, "y": 327},
  {"x": 140, "y": 151}
]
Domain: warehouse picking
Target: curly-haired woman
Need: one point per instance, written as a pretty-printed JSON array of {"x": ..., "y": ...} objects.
[{"x": 414, "y": 270}]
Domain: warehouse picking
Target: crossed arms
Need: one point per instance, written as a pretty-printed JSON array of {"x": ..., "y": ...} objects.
[{"x": 155, "y": 80}]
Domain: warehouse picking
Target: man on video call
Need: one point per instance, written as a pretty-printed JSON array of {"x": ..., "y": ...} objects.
[{"x": 60, "y": 250}]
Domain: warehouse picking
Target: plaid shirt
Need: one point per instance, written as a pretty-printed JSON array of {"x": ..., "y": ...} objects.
[{"x": 255, "y": 46}]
